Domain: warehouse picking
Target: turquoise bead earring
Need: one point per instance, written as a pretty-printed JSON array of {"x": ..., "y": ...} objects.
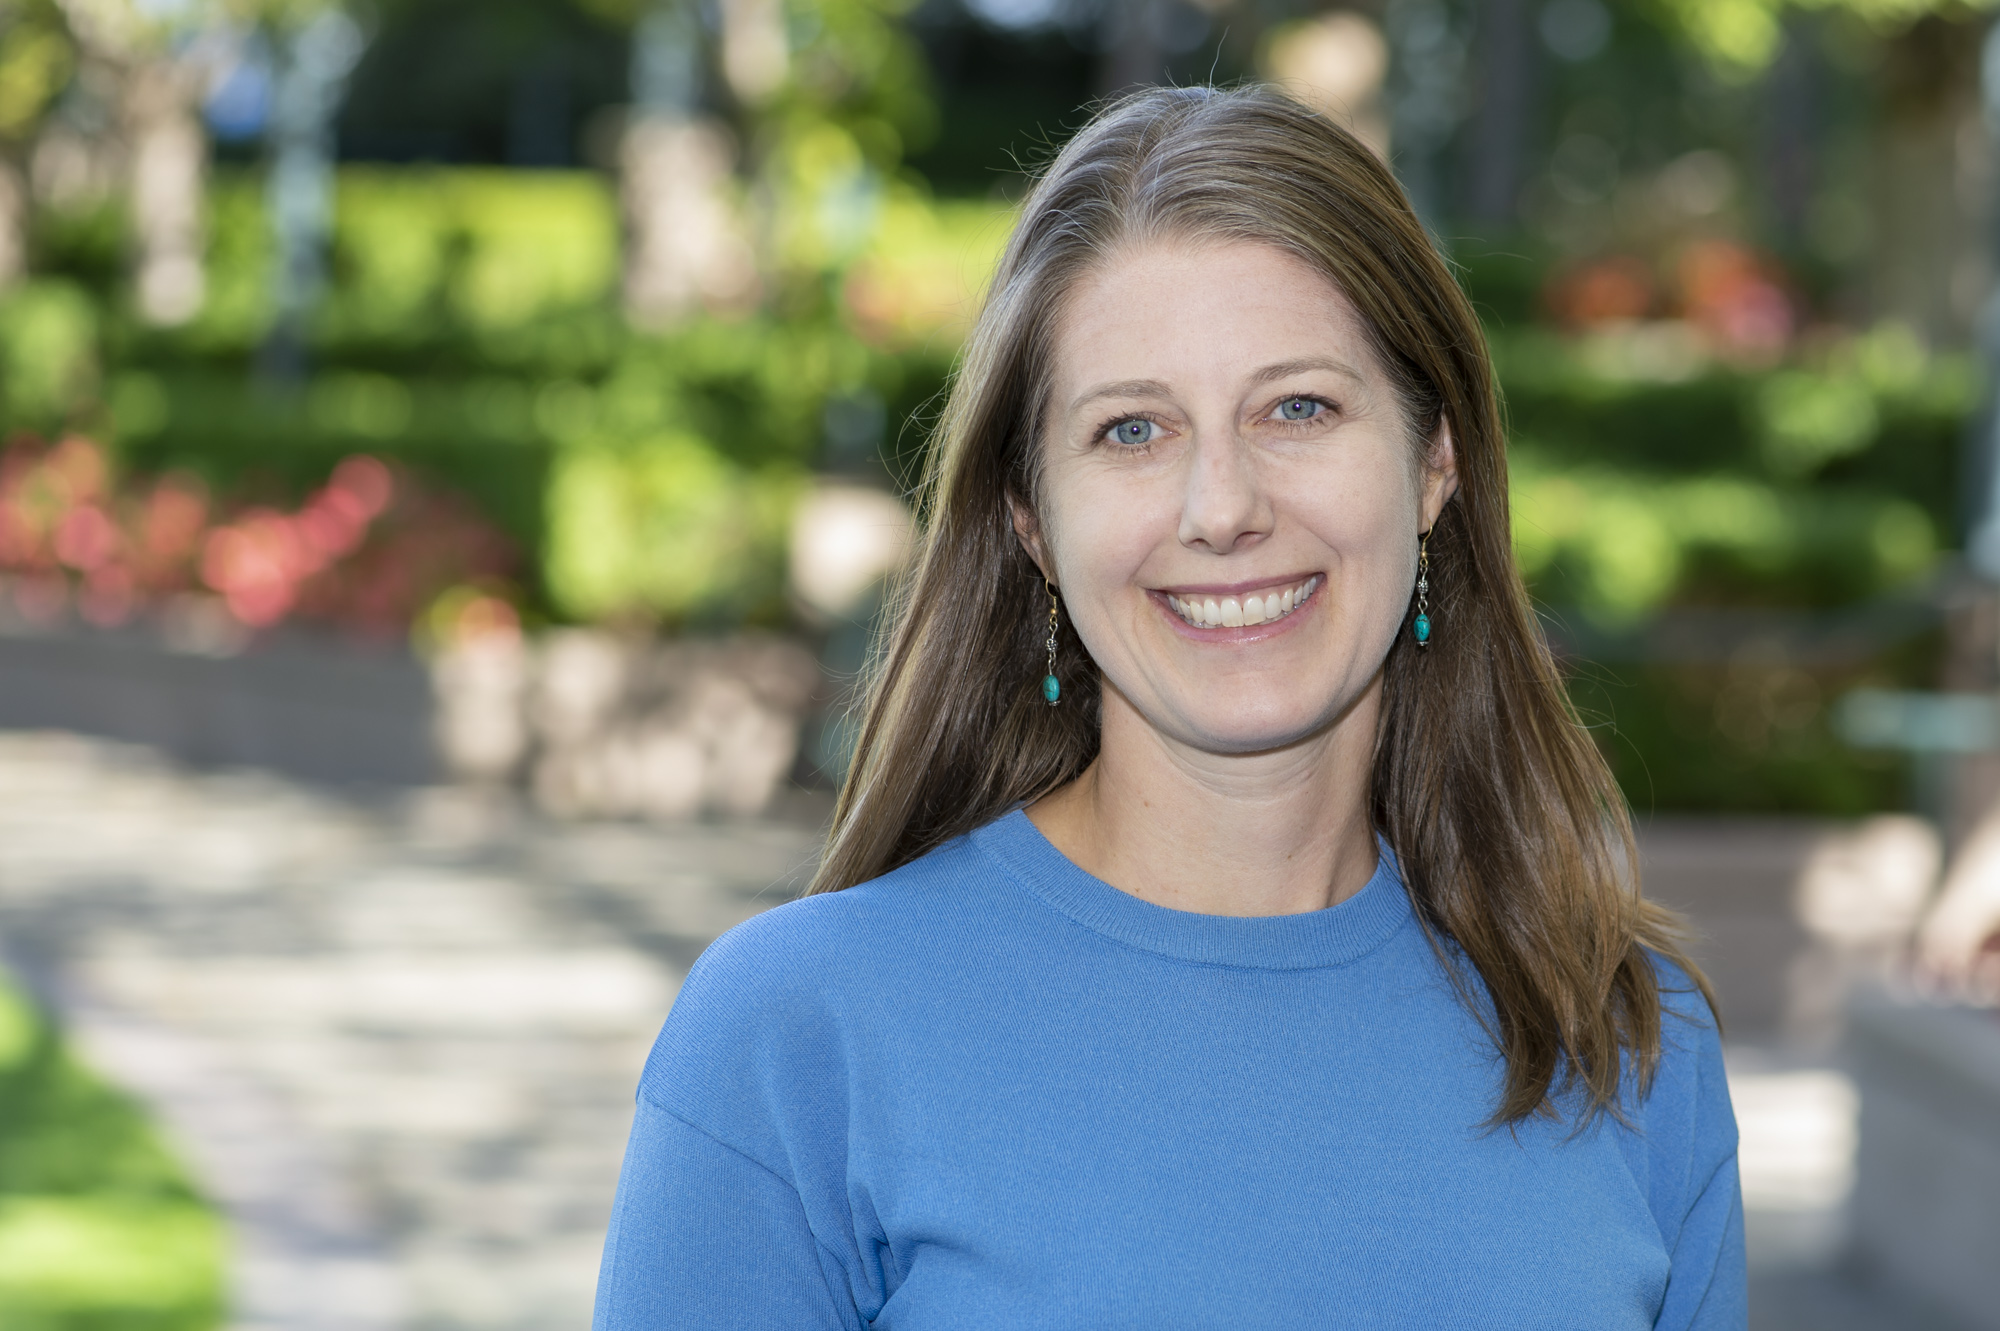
[
  {"x": 1422, "y": 626},
  {"x": 1051, "y": 686}
]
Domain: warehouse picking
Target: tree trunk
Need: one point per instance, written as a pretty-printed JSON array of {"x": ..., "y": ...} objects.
[
  {"x": 168, "y": 163},
  {"x": 1790, "y": 129},
  {"x": 1132, "y": 54},
  {"x": 1503, "y": 119},
  {"x": 13, "y": 223},
  {"x": 684, "y": 248},
  {"x": 1930, "y": 175}
]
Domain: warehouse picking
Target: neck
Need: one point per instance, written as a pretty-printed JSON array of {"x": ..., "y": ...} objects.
[{"x": 1272, "y": 833}]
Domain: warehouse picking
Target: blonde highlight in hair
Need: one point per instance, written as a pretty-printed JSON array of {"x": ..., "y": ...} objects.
[{"x": 1513, "y": 839}]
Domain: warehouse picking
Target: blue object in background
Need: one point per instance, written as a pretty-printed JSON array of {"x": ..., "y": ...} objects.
[{"x": 239, "y": 108}]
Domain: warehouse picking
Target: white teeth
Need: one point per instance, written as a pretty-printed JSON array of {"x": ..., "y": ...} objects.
[{"x": 1227, "y": 612}]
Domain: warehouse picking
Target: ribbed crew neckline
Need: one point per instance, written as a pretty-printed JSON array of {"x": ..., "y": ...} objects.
[{"x": 1335, "y": 936}]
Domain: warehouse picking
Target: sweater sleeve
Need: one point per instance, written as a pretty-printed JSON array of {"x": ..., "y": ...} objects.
[
  {"x": 702, "y": 1235},
  {"x": 1697, "y": 1200},
  {"x": 1708, "y": 1288}
]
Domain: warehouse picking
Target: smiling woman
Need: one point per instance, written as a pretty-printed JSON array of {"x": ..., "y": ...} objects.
[
  {"x": 1292, "y": 969},
  {"x": 1230, "y": 498}
]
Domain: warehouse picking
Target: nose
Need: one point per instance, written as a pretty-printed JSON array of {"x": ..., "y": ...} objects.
[{"x": 1224, "y": 507}]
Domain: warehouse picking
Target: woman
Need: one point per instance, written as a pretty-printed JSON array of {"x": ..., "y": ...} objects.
[{"x": 1225, "y": 922}]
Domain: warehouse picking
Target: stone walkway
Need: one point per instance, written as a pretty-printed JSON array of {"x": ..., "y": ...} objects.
[
  {"x": 399, "y": 1040},
  {"x": 398, "y": 1043}
]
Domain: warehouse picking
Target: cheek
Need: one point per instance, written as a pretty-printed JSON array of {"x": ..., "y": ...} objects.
[
  {"x": 1374, "y": 535},
  {"x": 1100, "y": 535},
  {"x": 1368, "y": 515}
]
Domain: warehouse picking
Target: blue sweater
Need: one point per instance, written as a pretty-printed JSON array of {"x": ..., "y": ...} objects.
[{"x": 991, "y": 1091}]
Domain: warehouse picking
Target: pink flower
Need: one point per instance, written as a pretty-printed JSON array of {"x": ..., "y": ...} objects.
[
  {"x": 173, "y": 518},
  {"x": 85, "y": 538},
  {"x": 367, "y": 481},
  {"x": 334, "y": 522},
  {"x": 257, "y": 563}
]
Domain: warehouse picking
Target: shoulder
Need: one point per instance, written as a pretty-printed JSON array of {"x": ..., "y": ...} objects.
[
  {"x": 772, "y": 1008},
  {"x": 1683, "y": 1006},
  {"x": 809, "y": 945},
  {"x": 1690, "y": 1063},
  {"x": 1683, "y": 1128},
  {"x": 1689, "y": 1079}
]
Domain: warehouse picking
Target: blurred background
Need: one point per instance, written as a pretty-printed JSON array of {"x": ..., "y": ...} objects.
[{"x": 454, "y": 451}]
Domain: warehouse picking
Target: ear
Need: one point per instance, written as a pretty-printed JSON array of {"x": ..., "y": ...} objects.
[
  {"x": 1440, "y": 479},
  {"x": 1028, "y": 530}
]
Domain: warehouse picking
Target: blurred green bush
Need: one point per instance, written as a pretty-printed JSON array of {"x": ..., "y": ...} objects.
[
  {"x": 1741, "y": 736},
  {"x": 668, "y": 526},
  {"x": 1619, "y": 544},
  {"x": 100, "y": 1229},
  {"x": 1653, "y": 479},
  {"x": 1873, "y": 413},
  {"x": 471, "y": 332}
]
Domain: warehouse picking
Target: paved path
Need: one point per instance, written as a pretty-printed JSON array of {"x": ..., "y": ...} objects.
[{"x": 398, "y": 1041}]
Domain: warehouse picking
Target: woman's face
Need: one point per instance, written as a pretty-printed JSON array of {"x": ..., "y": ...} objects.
[{"x": 1231, "y": 499}]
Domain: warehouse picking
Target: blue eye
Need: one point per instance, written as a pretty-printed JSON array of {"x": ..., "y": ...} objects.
[
  {"x": 1133, "y": 432},
  {"x": 1299, "y": 409}
]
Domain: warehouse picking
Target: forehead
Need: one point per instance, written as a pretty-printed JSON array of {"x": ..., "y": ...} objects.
[{"x": 1178, "y": 308}]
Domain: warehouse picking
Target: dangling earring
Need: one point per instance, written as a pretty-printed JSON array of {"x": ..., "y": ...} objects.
[
  {"x": 1422, "y": 626},
  {"x": 1051, "y": 686}
]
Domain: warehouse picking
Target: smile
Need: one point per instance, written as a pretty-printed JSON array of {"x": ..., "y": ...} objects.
[{"x": 1210, "y": 612}]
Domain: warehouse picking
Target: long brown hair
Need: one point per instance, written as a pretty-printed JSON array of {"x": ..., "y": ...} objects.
[{"x": 1513, "y": 840}]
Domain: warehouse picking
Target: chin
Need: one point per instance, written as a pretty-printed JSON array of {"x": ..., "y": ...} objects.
[{"x": 1256, "y": 730}]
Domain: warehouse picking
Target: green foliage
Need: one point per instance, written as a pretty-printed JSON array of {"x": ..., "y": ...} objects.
[
  {"x": 1740, "y": 38},
  {"x": 471, "y": 332},
  {"x": 99, "y": 1228},
  {"x": 423, "y": 260},
  {"x": 1621, "y": 544},
  {"x": 474, "y": 434},
  {"x": 1877, "y": 408},
  {"x": 1744, "y": 737},
  {"x": 854, "y": 67},
  {"x": 918, "y": 282},
  {"x": 86, "y": 244},
  {"x": 1648, "y": 475},
  {"x": 241, "y": 251},
  {"x": 420, "y": 252},
  {"x": 49, "y": 356},
  {"x": 670, "y": 528},
  {"x": 1650, "y": 479},
  {"x": 37, "y": 57}
]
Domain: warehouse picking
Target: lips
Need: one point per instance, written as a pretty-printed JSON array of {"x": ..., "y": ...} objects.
[{"x": 1209, "y": 612}]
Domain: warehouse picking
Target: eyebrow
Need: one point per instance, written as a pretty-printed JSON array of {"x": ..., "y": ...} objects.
[
  {"x": 1124, "y": 388},
  {"x": 1269, "y": 374},
  {"x": 1286, "y": 369}
]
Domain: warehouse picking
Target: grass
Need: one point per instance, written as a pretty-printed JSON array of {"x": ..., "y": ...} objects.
[{"x": 100, "y": 1227}]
